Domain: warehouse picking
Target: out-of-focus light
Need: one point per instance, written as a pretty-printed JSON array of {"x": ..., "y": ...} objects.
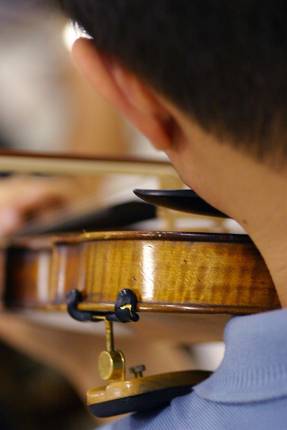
[{"x": 71, "y": 33}]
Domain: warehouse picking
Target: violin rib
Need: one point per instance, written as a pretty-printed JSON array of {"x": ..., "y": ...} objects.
[{"x": 169, "y": 272}]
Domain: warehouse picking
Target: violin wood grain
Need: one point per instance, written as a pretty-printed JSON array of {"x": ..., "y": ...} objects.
[{"x": 169, "y": 272}]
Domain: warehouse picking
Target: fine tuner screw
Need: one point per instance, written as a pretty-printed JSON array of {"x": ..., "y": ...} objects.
[{"x": 138, "y": 371}]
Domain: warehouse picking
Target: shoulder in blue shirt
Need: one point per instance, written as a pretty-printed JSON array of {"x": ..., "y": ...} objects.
[{"x": 247, "y": 391}]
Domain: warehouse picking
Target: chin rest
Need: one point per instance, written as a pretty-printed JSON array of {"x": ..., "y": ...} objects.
[
  {"x": 142, "y": 394},
  {"x": 179, "y": 200}
]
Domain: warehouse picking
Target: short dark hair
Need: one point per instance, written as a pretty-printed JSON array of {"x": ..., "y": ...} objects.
[{"x": 224, "y": 62}]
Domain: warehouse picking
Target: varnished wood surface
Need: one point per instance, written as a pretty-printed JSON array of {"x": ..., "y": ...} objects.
[{"x": 169, "y": 272}]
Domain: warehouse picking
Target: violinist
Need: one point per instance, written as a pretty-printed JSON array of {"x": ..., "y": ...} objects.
[{"x": 205, "y": 81}]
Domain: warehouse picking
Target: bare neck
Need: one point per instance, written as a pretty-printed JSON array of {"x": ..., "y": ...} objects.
[
  {"x": 271, "y": 240},
  {"x": 265, "y": 220}
]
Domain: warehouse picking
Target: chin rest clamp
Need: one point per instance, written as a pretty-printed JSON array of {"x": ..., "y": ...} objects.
[
  {"x": 124, "y": 312},
  {"x": 123, "y": 394}
]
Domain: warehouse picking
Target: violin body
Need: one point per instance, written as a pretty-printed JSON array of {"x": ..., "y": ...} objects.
[
  {"x": 187, "y": 286},
  {"x": 168, "y": 272}
]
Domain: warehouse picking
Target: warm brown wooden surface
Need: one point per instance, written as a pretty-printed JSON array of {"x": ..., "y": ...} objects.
[{"x": 169, "y": 272}]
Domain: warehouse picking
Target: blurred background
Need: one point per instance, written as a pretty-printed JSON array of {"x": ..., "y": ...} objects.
[{"x": 44, "y": 106}]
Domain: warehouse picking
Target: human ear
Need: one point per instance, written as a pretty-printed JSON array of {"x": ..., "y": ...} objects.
[{"x": 127, "y": 93}]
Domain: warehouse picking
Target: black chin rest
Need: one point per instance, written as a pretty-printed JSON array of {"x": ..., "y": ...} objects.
[
  {"x": 179, "y": 200},
  {"x": 140, "y": 403}
]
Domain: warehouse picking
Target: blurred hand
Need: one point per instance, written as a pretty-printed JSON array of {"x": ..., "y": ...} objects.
[{"x": 26, "y": 198}]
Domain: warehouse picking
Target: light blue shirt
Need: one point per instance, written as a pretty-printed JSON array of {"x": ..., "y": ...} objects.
[{"x": 247, "y": 391}]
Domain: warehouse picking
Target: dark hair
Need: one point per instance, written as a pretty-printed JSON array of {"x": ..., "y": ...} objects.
[{"x": 222, "y": 61}]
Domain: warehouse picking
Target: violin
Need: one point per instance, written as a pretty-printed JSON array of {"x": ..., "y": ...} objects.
[{"x": 118, "y": 276}]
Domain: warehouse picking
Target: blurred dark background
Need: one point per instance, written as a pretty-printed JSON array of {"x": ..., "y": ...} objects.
[{"x": 33, "y": 396}]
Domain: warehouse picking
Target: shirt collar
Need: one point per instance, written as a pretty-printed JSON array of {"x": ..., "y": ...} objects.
[{"x": 254, "y": 367}]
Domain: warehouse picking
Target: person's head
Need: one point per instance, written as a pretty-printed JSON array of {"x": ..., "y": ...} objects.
[{"x": 204, "y": 80}]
